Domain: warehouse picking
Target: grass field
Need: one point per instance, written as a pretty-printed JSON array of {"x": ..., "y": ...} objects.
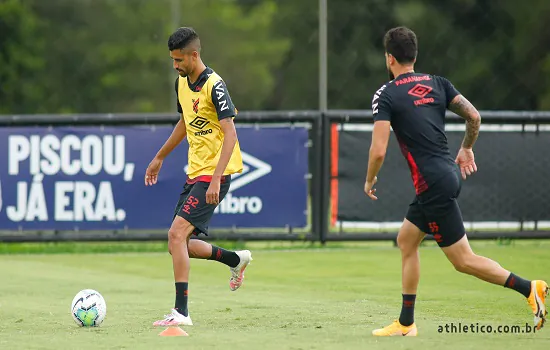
[{"x": 329, "y": 298}]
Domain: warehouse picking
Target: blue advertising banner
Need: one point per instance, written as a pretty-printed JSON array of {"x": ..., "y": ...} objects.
[{"x": 92, "y": 178}]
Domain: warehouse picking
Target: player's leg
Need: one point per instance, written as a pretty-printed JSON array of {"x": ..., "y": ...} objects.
[
  {"x": 178, "y": 235},
  {"x": 236, "y": 260},
  {"x": 408, "y": 239},
  {"x": 199, "y": 249},
  {"x": 245, "y": 256},
  {"x": 177, "y": 241},
  {"x": 466, "y": 261},
  {"x": 202, "y": 250},
  {"x": 200, "y": 216},
  {"x": 447, "y": 225}
]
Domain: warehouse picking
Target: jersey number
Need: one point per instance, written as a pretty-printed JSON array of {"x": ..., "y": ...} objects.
[{"x": 191, "y": 202}]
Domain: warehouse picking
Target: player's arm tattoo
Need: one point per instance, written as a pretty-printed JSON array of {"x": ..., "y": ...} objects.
[{"x": 461, "y": 106}]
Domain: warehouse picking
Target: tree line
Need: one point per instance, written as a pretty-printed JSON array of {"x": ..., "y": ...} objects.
[{"x": 110, "y": 56}]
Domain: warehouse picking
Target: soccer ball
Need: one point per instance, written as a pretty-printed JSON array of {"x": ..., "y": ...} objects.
[{"x": 88, "y": 308}]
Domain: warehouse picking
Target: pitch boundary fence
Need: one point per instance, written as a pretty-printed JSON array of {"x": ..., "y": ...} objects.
[
  {"x": 523, "y": 121},
  {"x": 321, "y": 134}
]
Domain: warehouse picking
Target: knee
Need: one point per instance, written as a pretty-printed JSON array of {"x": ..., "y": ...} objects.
[
  {"x": 179, "y": 233},
  {"x": 175, "y": 236},
  {"x": 406, "y": 246}
]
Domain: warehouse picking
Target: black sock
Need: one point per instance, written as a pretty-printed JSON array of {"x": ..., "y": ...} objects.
[
  {"x": 181, "y": 297},
  {"x": 227, "y": 257},
  {"x": 407, "y": 310},
  {"x": 518, "y": 284}
]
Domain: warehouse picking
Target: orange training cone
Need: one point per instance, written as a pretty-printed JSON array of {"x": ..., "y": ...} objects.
[{"x": 173, "y": 332}]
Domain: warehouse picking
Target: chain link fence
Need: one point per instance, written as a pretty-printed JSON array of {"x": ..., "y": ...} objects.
[
  {"x": 105, "y": 56},
  {"x": 509, "y": 192}
]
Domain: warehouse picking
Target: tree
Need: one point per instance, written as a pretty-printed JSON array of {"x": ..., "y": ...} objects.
[
  {"x": 111, "y": 56},
  {"x": 20, "y": 58},
  {"x": 495, "y": 52}
]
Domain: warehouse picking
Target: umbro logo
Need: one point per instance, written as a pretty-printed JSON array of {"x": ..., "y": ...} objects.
[
  {"x": 253, "y": 169},
  {"x": 420, "y": 90},
  {"x": 199, "y": 122}
]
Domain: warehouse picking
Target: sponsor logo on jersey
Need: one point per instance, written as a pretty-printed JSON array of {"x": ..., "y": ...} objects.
[
  {"x": 375, "y": 99},
  {"x": 221, "y": 95},
  {"x": 200, "y": 123},
  {"x": 420, "y": 90},
  {"x": 195, "y": 105}
]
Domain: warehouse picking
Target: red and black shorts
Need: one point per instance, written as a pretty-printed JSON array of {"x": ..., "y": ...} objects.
[
  {"x": 436, "y": 211},
  {"x": 192, "y": 204}
]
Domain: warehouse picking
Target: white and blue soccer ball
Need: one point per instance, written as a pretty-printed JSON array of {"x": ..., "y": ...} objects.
[{"x": 88, "y": 308}]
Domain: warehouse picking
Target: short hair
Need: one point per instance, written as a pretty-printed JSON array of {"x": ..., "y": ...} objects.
[
  {"x": 402, "y": 44},
  {"x": 181, "y": 38}
]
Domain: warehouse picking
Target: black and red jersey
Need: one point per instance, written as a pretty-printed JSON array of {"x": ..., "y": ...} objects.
[{"x": 415, "y": 104}]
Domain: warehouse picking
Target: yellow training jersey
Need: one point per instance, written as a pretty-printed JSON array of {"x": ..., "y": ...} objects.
[{"x": 202, "y": 105}]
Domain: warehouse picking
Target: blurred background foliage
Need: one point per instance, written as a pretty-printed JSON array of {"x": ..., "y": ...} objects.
[{"x": 111, "y": 56}]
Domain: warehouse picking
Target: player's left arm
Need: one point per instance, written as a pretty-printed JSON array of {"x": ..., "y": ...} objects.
[
  {"x": 229, "y": 141},
  {"x": 226, "y": 111}
]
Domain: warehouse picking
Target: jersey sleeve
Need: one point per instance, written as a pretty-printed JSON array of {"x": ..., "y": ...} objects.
[
  {"x": 381, "y": 105},
  {"x": 450, "y": 91},
  {"x": 180, "y": 110},
  {"x": 222, "y": 101}
]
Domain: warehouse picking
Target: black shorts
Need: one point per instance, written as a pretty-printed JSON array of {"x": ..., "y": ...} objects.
[
  {"x": 436, "y": 211},
  {"x": 192, "y": 204}
]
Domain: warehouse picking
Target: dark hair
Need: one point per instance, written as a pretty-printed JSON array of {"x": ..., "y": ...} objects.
[
  {"x": 181, "y": 38},
  {"x": 401, "y": 43}
]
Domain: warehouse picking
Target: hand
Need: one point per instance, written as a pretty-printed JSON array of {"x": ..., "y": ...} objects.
[
  {"x": 369, "y": 190},
  {"x": 152, "y": 172},
  {"x": 213, "y": 192},
  {"x": 466, "y": 162}
]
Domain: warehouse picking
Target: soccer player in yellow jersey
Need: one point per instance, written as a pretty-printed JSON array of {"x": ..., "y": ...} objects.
[{"x": 207, "y": 114}]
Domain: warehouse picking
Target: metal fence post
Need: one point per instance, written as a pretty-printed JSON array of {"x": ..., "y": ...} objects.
[
  {"x": 325, "y": 177},
  {"x": 316, "y": 197}
]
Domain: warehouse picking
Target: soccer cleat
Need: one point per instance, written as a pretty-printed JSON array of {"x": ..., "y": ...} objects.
[
  {"x": 174, "y": 319},
  {"x": 539, "y": 291},
  {"x": 237, "y": 272},
  {"x": 396, "y": 329}
]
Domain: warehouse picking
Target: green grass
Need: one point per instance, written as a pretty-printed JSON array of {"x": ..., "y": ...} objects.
[{"x": 295, "y": 297}]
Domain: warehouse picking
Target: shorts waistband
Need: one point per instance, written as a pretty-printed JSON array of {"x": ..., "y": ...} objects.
[{"x": 207, "y": 178}]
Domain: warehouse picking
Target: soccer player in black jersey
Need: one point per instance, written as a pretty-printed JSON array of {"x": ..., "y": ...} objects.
[{"x": 414, "y": 105}]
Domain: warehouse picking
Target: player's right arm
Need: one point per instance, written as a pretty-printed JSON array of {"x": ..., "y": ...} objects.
[
  {"x": 381, "y": 111},
  {"x": 465, "y": 158},
  {"x": 178, "y": 134}
]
